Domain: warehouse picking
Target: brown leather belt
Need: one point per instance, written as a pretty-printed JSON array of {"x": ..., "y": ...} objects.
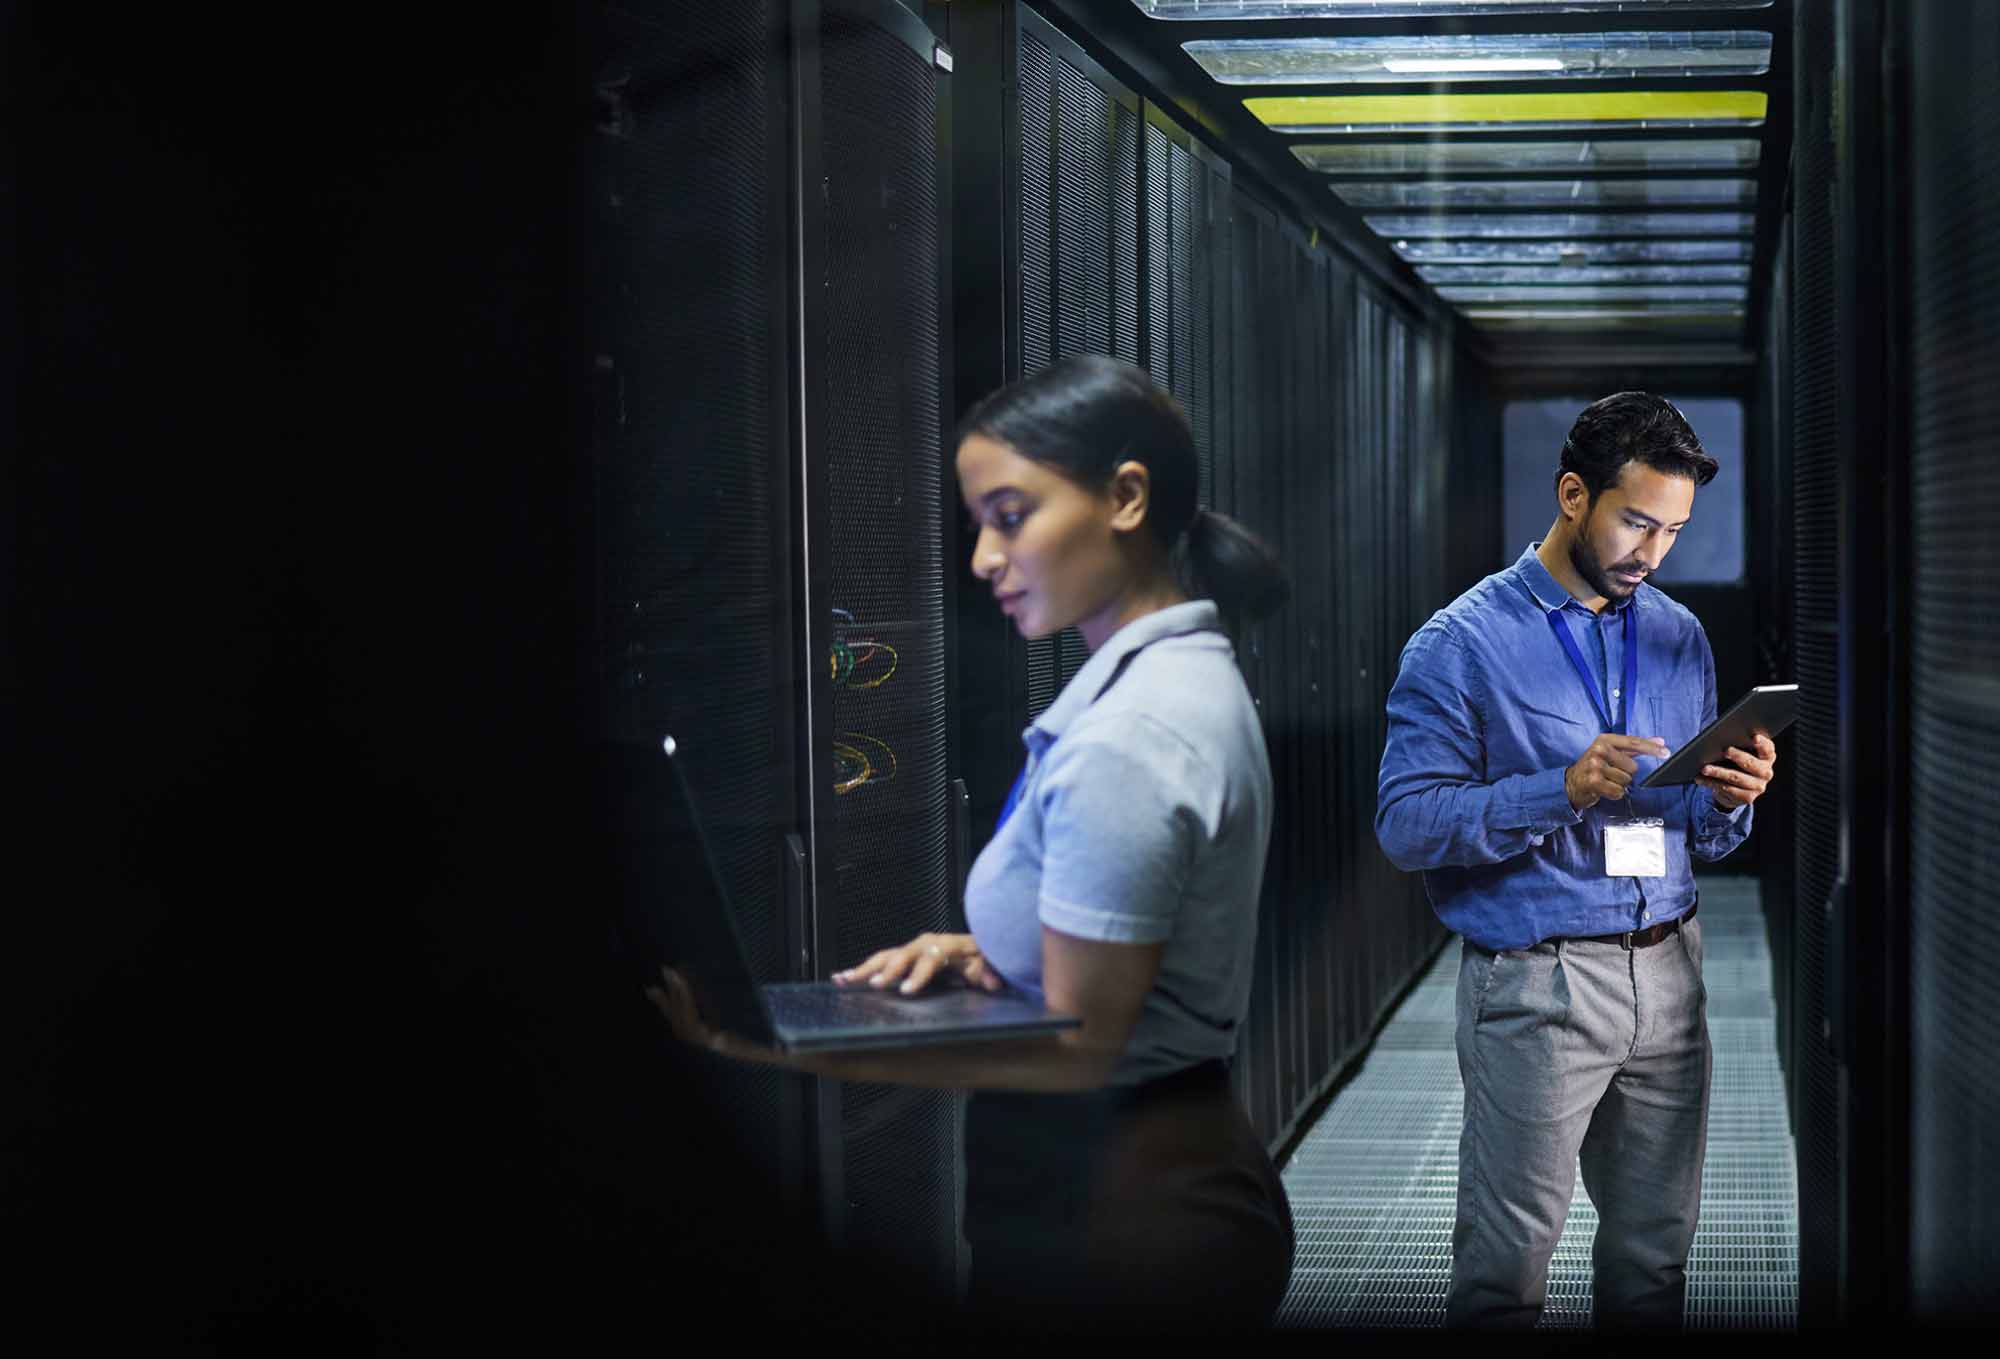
[{"x": 1645, "y": 938}]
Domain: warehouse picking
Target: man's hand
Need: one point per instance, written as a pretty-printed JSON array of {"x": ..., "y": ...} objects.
[
  {"x": 1607, "y": 768},
  {"x": 1738, "y": 787}
]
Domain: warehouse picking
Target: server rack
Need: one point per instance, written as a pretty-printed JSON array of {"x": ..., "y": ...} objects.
[
  {"x": 1849, "y": 1006},
  {"x": 872, "y": 204},
  {"x": 1770, "y": 484},
  {"x": 690, "y": 464},
  {"x": 767, "y": 249},
  {"x": 1077, "y": 278},
  {"x": 1954, "y": 651}
]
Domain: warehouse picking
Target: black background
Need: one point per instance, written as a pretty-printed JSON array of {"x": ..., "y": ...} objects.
[{"x": 315, "y": 1033}]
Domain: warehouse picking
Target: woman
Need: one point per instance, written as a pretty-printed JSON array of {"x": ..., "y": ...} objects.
[{"x": 1111, "y": 1177}]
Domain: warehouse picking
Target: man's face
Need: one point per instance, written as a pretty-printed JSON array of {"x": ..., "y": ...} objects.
[{"x": 1628, "y": 532}]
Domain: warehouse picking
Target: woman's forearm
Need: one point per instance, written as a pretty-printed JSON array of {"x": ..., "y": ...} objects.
[{"x": 1058, "y": 1062}]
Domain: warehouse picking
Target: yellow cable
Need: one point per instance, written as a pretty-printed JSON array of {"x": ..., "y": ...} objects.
[
  {"x": 868, "y": 772},
  {"x": 867, "y": 769},
  {"x": 882, "y": 679}
]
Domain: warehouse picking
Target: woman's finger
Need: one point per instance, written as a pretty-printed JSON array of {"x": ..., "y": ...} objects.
[
  {"x": 894, "y": 968},
  {"x": 981, "y": 974},
  {"x": 869, "y": 966},
  {"x": 928, "y": 954},
  {"x": 922, "y": 968}
]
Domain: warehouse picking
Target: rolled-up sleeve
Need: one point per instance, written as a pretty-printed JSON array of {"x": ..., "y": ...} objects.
[
  {"x": 1433, "y": 807},
  {"x": 1120, "y": 804}
]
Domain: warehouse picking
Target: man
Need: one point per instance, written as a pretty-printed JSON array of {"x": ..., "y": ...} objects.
[{"x": 1522, "y": 717}]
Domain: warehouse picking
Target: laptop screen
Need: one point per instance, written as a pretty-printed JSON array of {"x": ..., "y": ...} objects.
[{"x": 672, "y": 908}]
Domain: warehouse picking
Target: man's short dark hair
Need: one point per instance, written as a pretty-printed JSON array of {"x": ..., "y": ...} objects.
[{"x": 1633, "y": 427}]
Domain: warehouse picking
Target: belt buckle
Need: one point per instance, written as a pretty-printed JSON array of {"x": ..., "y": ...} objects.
[{"x": 1625, "y": 940}]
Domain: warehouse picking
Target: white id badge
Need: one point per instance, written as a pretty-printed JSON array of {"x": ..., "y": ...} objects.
[{"x": 1635, "y": 847}]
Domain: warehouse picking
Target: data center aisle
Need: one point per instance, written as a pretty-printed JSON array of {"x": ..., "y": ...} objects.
[{"x": 1372, "y": 1184}]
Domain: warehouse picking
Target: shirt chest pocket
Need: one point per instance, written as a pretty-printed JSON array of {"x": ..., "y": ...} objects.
[{"x": 1676, "y": 718}]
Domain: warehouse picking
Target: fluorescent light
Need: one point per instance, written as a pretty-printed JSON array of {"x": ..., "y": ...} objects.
[
  {"x": 1573, "y": 57},
  {"x": 1406, "y": 9},
  {"x": 1545, "y": 294},
  {"x": 1540, "y": 275},
  {"x": 1399, "y": 227},
  {"x": 1445, "y": 157},
  {"x": 1427, "y": 65},
  {"x": 1573, "y": 253},
  {"x": 1547, "y": 193}
]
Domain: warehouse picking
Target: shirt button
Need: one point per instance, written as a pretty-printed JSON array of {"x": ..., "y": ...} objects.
[{"x": 1645, "y": 915}]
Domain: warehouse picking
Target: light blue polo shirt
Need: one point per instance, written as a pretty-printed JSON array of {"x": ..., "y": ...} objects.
[{"x": 1143, "y": 817}]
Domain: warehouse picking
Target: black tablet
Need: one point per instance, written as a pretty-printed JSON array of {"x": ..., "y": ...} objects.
[{"x": 1768, "y": 708}]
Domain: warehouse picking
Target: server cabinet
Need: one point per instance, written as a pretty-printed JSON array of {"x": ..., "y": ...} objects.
[
  {"x": 1184, "y": 241},
  {"x": 683, "y": 328},
  {"x": 1076, "y": 135},
  {"x": 1954, "y": 696},
  {"x": 767, "y": 301},
  {"x": 1849, "y": 1007},
  {"x": 1245, "y": 491},
  {"x": 1771, "y": 484},
  {"x": 872, "y": 151}
]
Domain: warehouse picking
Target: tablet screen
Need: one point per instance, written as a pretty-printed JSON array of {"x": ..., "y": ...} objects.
[{"x": 1769, "y": 708}]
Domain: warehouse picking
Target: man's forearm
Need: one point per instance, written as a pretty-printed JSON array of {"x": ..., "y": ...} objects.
[{"x": 1463, "y": 825}]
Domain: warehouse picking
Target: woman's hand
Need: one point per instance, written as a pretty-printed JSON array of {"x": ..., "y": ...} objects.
[
  {"x": 923, "y": 958},
  {"x": 675, "y": 1000}
]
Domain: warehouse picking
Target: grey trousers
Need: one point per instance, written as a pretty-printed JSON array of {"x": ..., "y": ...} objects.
[{"x": 1584, "y": 1052}]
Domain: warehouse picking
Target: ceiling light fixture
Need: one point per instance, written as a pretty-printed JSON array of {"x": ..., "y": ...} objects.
[{"x": 1442, "y": 65}]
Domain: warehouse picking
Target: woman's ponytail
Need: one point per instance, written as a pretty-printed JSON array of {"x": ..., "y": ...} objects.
[{"x": 1217, "y": 558}]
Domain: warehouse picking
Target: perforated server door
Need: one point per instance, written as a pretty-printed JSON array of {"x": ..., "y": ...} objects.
[
  {"x": 1184, "y": 237},
  {"x": 1815, "y": 775},
  {"x": 1850, "y": 760},
  {"x": 1955, "y": 660},
  {"x": 1078, "y": 234},
  {"x": 1241, "y": 493},
  {"x": 893, "y": 1150},
  {"x": 681, "y": 316},
  {"x": 1772, "y": 569}
]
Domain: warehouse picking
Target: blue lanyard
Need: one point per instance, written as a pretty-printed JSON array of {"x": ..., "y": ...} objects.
[
  {"x": 1560, "y": 628},
  {"x": 1013, "y": 797}
]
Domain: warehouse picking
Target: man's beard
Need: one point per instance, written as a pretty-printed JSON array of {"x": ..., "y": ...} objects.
[{"x": 1584, "y": 558}]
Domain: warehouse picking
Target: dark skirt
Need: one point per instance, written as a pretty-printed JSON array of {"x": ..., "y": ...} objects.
[{"x": 1152, "y": 1207}]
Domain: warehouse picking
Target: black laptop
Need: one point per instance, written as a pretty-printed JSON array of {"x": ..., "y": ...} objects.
[{"x": 675, "y": 913}]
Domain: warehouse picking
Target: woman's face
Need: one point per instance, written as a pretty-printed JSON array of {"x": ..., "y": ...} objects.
[{"x": 1046, "y": 547}]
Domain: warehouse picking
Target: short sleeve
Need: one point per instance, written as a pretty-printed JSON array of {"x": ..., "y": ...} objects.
[{"x": 1125, "y": 806}]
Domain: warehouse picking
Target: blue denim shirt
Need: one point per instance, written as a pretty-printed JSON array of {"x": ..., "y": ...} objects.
[{"x": 1487, "y": 712}]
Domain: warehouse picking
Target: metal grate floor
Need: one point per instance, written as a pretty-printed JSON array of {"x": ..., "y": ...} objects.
[{"x": 1373, "y": 1184}]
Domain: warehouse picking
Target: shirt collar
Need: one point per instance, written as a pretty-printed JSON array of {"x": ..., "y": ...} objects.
[
  {"x": 1547, "y": 591},
  {"x": 1197, "y": 615}
]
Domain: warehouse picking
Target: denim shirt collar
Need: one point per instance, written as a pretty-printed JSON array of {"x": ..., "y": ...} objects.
[
  {"x": 1547, "y": 591},
  {"x": 1177, "y": 620}
]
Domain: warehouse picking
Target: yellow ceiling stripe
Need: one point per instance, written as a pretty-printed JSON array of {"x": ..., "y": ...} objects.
[{"x": 1603, "y": 106}]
